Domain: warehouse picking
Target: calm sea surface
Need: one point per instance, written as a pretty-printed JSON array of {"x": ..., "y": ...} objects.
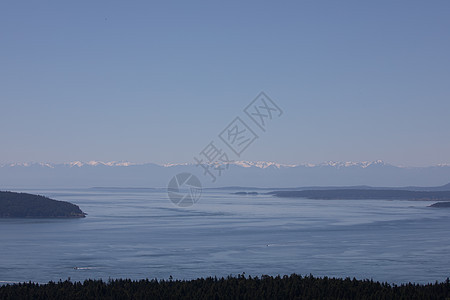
[{"x": 141, "y": 234}]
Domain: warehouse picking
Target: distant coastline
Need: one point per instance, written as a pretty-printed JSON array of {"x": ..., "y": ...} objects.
[{"x": 365, "y": 194}]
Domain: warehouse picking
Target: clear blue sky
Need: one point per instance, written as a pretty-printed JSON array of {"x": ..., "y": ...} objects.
[{"x": 156, "y": 81}]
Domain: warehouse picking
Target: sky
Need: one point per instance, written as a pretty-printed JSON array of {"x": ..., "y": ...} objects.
[{"x": 157, "y": 81}]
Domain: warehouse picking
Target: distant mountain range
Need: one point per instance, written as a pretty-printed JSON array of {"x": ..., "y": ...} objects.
[{"x": 239, "y": 173}]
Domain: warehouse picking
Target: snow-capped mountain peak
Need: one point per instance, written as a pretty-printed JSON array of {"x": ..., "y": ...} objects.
[
  {"x": 240, "y": 163},
  {"x": 260, "y": 164},
  {"x": 362, "y": 164},
  {"x": 239, "y": 173}
]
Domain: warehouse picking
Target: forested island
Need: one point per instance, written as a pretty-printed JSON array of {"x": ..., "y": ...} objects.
[
  {"x": 361, "y": 194},
  {"x": 240, "y": 287},
  {"x": 23, "y": 205}
]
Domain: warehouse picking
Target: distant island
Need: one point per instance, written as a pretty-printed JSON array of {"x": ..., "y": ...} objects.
[
  {"x": 440, "y": 204},
  {"x": 363, "y": 194},
  {"x": 23, "y": 205},
  {"x": 246, "y": 193}
]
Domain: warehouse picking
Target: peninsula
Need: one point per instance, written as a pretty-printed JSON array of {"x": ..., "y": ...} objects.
[{"x": 23, "y": 205}]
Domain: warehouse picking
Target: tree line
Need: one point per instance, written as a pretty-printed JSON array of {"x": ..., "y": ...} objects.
[{"x": 232, "y": 287}]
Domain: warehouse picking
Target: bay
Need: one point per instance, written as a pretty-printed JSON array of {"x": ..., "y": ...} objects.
[{"x": 139, "y": 233}]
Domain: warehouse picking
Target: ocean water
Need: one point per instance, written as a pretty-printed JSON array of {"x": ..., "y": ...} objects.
[{"x": 140, "y": 234}]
